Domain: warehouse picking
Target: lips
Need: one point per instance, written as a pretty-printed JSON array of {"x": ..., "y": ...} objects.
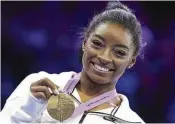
[{"x": 101, "y": 68}]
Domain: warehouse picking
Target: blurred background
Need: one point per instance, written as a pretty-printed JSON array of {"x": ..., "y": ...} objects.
[{"x": 43, "y": 36}]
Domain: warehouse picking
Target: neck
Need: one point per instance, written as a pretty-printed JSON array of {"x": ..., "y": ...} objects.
[{"x": 91, "y": 88}]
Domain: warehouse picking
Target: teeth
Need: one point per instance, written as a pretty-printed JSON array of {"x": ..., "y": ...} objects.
[{"x": 101, "y": 68}]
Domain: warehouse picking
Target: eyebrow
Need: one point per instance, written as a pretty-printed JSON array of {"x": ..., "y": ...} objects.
[
  {"x": 100, "y": 37},
  {"x": 117, "y": 45},
  {"x": 122, "y": 46}
]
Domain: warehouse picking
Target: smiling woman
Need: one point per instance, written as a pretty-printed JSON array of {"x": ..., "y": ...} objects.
[
  {"x": 107, "y": 53},
  {"x": 111, "y": 44}
]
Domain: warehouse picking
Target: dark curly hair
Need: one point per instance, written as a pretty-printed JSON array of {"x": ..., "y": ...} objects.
[{"x": 116, "y": 13}]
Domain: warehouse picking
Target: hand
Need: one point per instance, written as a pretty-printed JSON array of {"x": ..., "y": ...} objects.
[{"x": 40, "y": 89}]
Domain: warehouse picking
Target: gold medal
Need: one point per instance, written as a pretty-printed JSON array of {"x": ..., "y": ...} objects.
[{"x": 60, "y": 107}]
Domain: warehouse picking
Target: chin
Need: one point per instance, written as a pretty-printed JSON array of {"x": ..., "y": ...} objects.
[{"x": 98, "y": 79}]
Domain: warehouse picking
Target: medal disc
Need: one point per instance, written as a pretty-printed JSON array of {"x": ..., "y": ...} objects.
[{"x": 60, "y": 107}]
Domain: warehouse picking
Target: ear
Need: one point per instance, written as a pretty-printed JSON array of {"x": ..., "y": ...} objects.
[
  {"x": 132, "y": 62},
  {"x": 83, "y": 44}
]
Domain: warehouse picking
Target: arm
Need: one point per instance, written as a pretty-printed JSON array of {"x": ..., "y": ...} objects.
[{"x": 22, "y": 106}]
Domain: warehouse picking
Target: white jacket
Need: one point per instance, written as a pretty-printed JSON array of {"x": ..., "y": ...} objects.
[{"x": 21, "y": 107}]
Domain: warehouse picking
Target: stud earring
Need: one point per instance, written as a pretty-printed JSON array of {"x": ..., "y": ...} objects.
[
  {"x": 83, "y": 48},
  {"x": 129, "y": 67}
]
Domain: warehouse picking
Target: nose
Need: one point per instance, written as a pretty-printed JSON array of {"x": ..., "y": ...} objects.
[{"x": 104, "y": 57}]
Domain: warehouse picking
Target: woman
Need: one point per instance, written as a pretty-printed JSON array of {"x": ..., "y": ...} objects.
[{"x": 111, "y": 44}]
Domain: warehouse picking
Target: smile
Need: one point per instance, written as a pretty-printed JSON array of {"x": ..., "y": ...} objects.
[{"x": 100, "y": 68}]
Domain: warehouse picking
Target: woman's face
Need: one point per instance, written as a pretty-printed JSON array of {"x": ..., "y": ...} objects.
[{"x": 107, "y": 53}]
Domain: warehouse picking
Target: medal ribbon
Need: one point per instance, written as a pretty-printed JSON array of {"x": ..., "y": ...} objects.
[{"x": 91, "y": 103}]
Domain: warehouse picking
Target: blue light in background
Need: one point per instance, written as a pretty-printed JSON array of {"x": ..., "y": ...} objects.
[
  {"x": 171, "y": 112},
  {"x": 63, "y": 41},
  {"x": 155, "y": 66},
  {"x": 128, "y": 83},
  {"x": 35, "y": 38},
  {"x": 147, "y": 34},
  {"x": 7, "y": 87},
  {"x": 147, "y": 39},
  {"x": 7, "y": 81}
]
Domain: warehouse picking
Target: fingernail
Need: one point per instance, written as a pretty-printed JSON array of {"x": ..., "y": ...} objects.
[
  {"x": 56, "y": 91},
  {"x": 50, "y": 90}
]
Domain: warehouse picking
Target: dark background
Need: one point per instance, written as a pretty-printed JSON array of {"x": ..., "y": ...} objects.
[{"x": 43, "y": 36}]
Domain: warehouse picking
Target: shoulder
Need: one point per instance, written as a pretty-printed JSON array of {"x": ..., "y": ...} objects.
[{"x": 125, "y": 113}]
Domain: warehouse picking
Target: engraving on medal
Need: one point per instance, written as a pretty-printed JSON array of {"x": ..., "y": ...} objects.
[{"x": 60, "y": 107}]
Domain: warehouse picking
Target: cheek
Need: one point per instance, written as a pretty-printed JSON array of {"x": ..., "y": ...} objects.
[
  {"x": 120, "y": 62},
  {"x": 89, "y": 52},
  {"x": 87, "y": 56},
  {"x": 120, "y": 66}
]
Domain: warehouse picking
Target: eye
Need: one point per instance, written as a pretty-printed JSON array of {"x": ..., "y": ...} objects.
[
  {"x": 120, "y": 53},
  {"x": 97, "y": 43}
]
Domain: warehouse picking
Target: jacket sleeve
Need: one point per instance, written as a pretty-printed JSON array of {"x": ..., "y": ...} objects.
[{"x": 21, "y": 106}]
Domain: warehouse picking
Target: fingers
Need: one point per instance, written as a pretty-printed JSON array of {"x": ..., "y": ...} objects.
[
  {"x": 50, "y": 84},
  {"x": 43, "y": 89},
  {"x": 40, "y": 89},
  {"x": 40, "y": 95}
]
